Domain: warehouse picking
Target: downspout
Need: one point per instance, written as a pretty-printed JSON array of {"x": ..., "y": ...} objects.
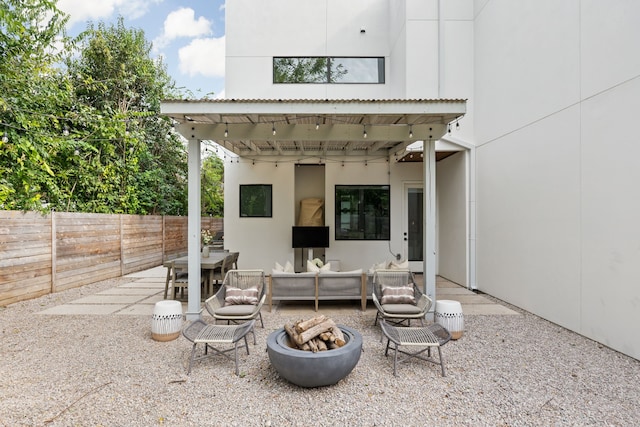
[
  {"x": 471, "y": 259},
  {"x": 440, "y": 49}
]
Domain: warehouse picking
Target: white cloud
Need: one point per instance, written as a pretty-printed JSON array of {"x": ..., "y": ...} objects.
[
  {"x": 182, "y": 23},
  {"x": 92, "y": 10},
  {"x": 204, "y": 57}
]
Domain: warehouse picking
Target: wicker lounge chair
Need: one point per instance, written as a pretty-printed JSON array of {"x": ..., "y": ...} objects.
[
  {"x": 199, "y": 332},
  {"x": 239, "y": 298},
  {"x": 421, "y": 339},
  {"x": 397, "y": 298}
]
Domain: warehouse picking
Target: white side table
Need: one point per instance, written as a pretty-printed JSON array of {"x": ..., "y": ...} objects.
[{"x": 449, "y": 314}]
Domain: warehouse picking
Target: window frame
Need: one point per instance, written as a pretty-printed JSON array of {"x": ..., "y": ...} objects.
[
  {"x": 327, "y": 75},
  {"x": 245, "y": 192},
  {"x": 363, "y": 217}
]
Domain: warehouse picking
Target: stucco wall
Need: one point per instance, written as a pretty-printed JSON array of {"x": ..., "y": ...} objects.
[
  {"x": 452, "y": 218},
  {"x": 556, "y": 167},
  {"x": 260, "y": 241},
  {"x": 263, "y": 241},
  {"x": 318, "y": 28}
]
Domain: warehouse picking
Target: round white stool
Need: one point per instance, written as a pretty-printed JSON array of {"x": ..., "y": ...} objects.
[
  {"x": 166, "y": 322},
  {"x": 449, "y": 314}
]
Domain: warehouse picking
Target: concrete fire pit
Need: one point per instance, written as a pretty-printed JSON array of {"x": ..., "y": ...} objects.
[{"x": 308, "y": 369}]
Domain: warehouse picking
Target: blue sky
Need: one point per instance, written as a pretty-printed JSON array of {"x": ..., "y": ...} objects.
[{"x": 188, "y": 34}]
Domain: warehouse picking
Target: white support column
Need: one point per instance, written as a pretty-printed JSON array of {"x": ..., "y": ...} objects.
[
  {"x": 193, "y": 242},
  {"x": 429, "y": 272}
]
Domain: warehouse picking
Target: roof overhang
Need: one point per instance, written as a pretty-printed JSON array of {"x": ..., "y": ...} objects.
[{"x": 320, "y": 128}]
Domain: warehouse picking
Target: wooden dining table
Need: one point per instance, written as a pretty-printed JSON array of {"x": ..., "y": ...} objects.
[{"x": 208, "y": 266}]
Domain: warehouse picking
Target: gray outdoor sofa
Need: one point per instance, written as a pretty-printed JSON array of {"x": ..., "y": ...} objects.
[{"x": 318, "y": 286}]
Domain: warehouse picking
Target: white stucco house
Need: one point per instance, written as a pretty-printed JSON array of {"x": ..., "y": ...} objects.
[{"x": 523, "y": 181}]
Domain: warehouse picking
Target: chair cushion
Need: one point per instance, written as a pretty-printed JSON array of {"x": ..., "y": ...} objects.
[
  {"x": 237, "y": 296},
  {"x": 401, "y": 309},
  {"x": 236, "y": 310},
  {"x": 398, "y": 295}
]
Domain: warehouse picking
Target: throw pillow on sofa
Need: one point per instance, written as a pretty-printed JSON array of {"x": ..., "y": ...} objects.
[
  {"x": 288, "y": 267},
  {"x": 378, "y": 266},
  {"x": 314, "y": 268},
  {"x": 399, "y": 265}
]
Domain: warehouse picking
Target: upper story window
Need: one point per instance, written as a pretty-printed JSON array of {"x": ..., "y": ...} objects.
[{"x": 328, "y": 70}]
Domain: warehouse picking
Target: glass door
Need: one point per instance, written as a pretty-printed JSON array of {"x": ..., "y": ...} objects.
[{"x": 413, "y": 234}]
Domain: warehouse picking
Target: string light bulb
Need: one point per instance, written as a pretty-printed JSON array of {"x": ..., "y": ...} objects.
[
  {"x": 317, "y": 125},
  {"x": 364, "y": 131},
  {"x": 273, "y": 129},
  {"x": 411, "y": 131},
  {"x": 65, "y": 131},
  {"x": 5, "y": 138},
  {"x": 226, "y": 130}
]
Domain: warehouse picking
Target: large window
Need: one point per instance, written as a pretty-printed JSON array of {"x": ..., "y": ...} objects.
[
  {"x": 362, "y": 212},
  {"x": 328, "y": 70},
  {"x": 255, "y": 200}
]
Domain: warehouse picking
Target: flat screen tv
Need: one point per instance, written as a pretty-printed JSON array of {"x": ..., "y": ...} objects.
[{"x": 310, "y": 237}]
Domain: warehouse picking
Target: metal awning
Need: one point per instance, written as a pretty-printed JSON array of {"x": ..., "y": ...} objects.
[{"x": 314, "y": 127}]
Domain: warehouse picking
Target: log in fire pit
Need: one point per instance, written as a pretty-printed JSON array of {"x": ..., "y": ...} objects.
[{"x": 314, "y": 353}]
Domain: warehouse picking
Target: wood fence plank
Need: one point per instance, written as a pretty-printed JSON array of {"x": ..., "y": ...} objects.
[{"x": 47, "y": 253}]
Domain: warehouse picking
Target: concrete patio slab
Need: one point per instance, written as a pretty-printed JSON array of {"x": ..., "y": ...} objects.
[
  {"x": 130, "y": 291},
  {"x": 468, "y": 299},
  {"x": 159, "y": 271},
  {"x": 452, "y": 291},
  {"x": 487, "y": 310},
  {"x": 447, "y": 284},
  {"x": 79, "y": 309},
  {"x": 154, "y": 299},
  {"x": 138, "y": 298},
  {"x": 148, "y": 285},
  {"x": 138, "y": 310},
  {"x": 109, "y": 299},
  {"x": 150, "y": 280}
]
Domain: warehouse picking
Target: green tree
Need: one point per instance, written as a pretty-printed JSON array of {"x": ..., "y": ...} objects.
[
  {"x": 88, "y": 137},
  {"x": 212, "y": 186},
  {"x": 140, "y": 162},
  {"x": 34, "y": 98}
]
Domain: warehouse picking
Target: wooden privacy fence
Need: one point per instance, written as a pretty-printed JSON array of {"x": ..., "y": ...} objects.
[{"x": 41, "y": 254}]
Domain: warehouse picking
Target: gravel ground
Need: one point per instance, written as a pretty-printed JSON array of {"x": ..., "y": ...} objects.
[{"x": 107, "y": 371}]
